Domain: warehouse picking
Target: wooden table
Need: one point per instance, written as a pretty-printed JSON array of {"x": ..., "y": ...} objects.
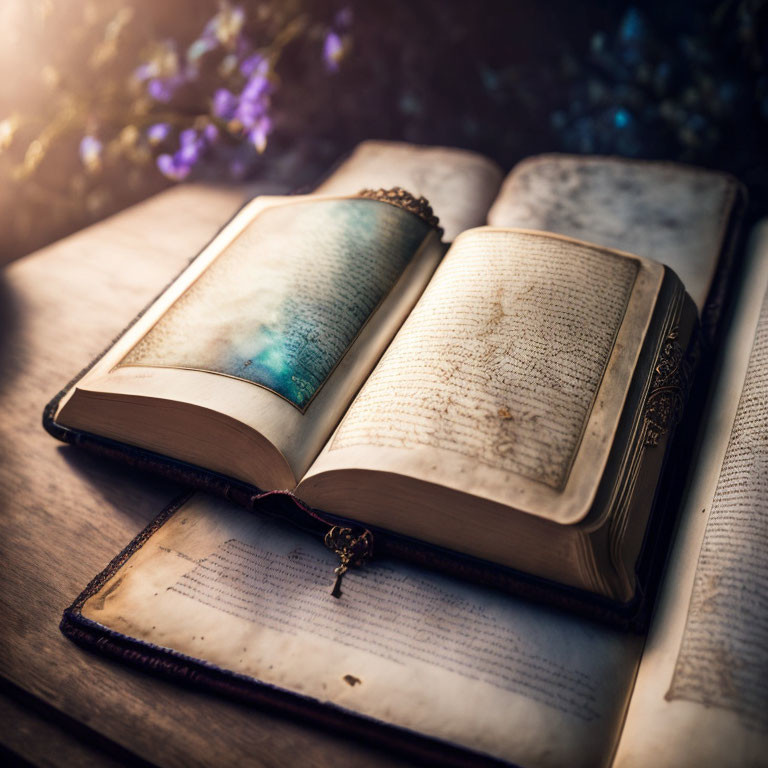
[{"x": 65, "y": 514}]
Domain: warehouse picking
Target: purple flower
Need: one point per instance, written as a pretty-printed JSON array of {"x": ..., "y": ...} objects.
[
  {"x": 335, "y": 45},
  {"x": 248, "y": 112},
  {"x": 258, "y": 134},
  {"x": 254, "y": 64},
  {"x": 90, "y": 152},
  {"x": 254, "y": 101},
  {"x": 158, "y": 132},
  {"x": 188, "y": 155},
  {"x": 210, "y": 133},
  {"x": 172, "y": 167},
  {"x": 191, "y": 148},
  {"x": 162, "y": 88},
  {"x": 333, "y": 51},
  {"x": 224, "y": 104},
  {"x": 256, "y": 88},
  {"x": 188, "y": 137}
]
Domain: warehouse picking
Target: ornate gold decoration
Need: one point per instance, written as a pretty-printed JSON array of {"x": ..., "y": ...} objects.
[
  {"x": 669, "y": 388},
  {"x": 419, "y": 206},
  {"x": 351, "y": 550}
]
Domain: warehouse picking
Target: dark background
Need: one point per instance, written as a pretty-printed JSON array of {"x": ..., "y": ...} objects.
[{"x": 674, "y": 80}]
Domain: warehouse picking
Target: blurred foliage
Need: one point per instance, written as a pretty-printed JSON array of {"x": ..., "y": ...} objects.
[
  {"x": 107, "y": 100},
  {"x": 111, "y": 98}
]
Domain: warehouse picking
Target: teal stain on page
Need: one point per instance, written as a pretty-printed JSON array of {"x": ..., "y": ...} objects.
[{"x": 281, "y": 305}]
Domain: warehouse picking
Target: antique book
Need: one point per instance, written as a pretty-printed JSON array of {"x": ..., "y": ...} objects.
[
  {"x": 457, "y": 674},
  {"x": 510, "y": 398}
]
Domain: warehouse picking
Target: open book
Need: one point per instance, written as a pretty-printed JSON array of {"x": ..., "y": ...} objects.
[
  {"x": 215, "y": 596},
  {"x": 511, "y": 400}
]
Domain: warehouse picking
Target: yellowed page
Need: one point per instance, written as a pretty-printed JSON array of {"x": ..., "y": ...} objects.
[
  {"x": 508, "y": 379},
  {"x": 460, "y": 185},
  {"x": 701, "y": 696},
  {"x": 402, "y": 645},
  {"x": 673, "y": 213}
]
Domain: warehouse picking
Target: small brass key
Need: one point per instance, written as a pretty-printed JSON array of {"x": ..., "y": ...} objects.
[{"x": 350, "y": 549}]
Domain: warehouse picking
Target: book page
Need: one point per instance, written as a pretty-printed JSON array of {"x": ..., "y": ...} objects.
[
  {"x": 402, "y": 645},
  {"x": 546, "y": 382},
  {"x": 273, "y": 327},
  {"x": 490, "y": 385},
  {"x": 701, "y": 696},
  {"x": 674, "y": 214},
  {"x": 282, "y": 304},
  {"x": 460, "y": 185}
]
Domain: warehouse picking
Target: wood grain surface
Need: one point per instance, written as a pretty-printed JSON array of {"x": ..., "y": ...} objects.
[{"x": 65, "y": 514}]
